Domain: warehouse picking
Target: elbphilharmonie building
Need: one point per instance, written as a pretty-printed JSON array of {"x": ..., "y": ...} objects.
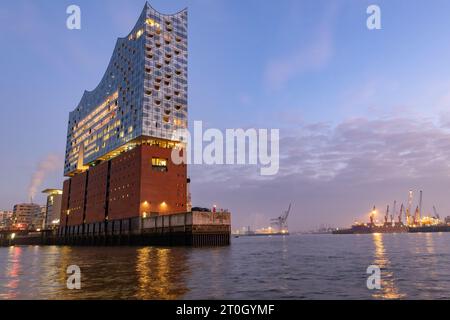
[
  {"x": 121, "y": 134},
  {"x": 143, "y": 93}
]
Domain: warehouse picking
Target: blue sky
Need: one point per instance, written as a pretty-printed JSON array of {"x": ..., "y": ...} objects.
[{"x": 337, "y": 91}]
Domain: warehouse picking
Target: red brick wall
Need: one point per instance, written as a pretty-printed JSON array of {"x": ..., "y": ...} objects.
[
  {"x": 76, "y": 203},
  {"x": 124, "y": 185},
  {"x": 162, "y": 187},
  {"x": 96, "y": 195},
  {"x": 134, "y": 188}
]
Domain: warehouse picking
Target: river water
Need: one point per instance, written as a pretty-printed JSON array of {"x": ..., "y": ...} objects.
[{"x": 413, "y": 266}]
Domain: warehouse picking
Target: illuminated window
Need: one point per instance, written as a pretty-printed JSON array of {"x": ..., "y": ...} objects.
[
  {"x": 152, "y": 23},
  {"x": 159, "y": 164},
  {"x": 139, "y": 34}
]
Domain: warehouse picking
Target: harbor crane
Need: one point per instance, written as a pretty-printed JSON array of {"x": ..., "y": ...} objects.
[
  {"x": 394, "y": 212},
  {"x": 419, "y": 213},
  {"x": 400, "y": 214},
  {"x": 281, "y": 221},
  {"x": 416, "y": 218},
  {"x": 386, "y": 217},
  {"x": 436, "y": 214},
  {"x": 409, "y": 207}
]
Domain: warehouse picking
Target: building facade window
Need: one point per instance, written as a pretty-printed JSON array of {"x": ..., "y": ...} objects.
[{"x": 159, "y": 164}]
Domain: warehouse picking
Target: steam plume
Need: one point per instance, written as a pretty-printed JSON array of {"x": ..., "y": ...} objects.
[{"x": 51, "y": 163}]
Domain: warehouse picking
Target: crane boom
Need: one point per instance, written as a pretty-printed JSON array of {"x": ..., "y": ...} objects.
[
  {"x": 286, "y": 214},
  {"x": 420, "y": 206},
  {"x": 281, "y": 221},
  {"x": 436, "y": 214},
  {"x": 400, "y": 214}
]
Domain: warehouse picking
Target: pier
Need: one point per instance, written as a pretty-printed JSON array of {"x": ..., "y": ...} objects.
[{"x": 196, "y": 229}]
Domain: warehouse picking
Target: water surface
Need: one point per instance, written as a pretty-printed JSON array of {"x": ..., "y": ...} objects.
[{"x": 414, "y": 266}]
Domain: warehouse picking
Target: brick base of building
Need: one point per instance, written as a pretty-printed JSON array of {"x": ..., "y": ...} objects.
[{"x": 134, "y": 184}]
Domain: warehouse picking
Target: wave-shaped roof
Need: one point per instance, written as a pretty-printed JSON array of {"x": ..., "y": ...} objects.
[{"x": 92, "y": 97}]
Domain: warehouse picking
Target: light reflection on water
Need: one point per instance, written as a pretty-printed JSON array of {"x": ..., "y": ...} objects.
[
  {"x": 388, "y": 286},
  {"x": 160, "y": 275},
  {"x": 413, "y": 266},
  {"x": 13, "y": 273}
]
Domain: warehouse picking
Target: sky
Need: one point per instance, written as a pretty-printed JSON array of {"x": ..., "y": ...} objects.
[{"x": 363, "y": 114}]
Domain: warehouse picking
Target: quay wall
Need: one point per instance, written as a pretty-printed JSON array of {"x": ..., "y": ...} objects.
[{"x": 186, "y": 229}]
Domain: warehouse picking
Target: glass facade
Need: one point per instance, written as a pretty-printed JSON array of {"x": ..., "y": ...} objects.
[{"x": 143, "y": 93}]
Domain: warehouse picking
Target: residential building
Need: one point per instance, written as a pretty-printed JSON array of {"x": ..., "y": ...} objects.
[
  {"x": 25, "y": 215},
  {"x": 52, "y": 208},
  {"x": 5, "y": 219}
]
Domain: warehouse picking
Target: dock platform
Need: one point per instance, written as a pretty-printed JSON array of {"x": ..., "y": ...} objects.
[{"x": 196, "y": 229}]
